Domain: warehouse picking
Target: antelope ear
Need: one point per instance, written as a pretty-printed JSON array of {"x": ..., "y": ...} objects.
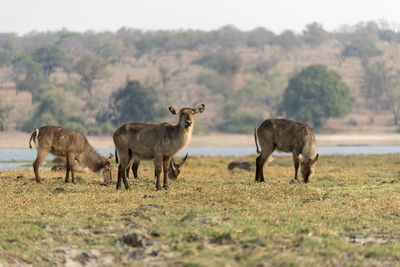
[
  {"x": 300, "y": 159},
  {"x": 315, "y": 159},
  {"x": 173, "y": 110},
  {"x": 199, "y": 109}
]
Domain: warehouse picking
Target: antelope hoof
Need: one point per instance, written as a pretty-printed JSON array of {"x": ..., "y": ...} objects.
[
  {"x": 158, "y": 187},
  {"x": 66, "y": 181},
  {"x": 38, "y": 181},
  {"x": 166, "y": 186},
  {"x": 293, "y": 181}
]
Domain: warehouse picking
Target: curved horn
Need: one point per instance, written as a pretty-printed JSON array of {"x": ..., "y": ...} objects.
[
  {"x": 183, "y": 161},
  {"x": 172, "y": 164}
]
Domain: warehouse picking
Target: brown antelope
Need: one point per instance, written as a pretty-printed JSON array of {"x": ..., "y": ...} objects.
[
  {"x": 72, "y": 145},
  {"x": 160, "y": 142},
  {"x": 286, "y": 136}
]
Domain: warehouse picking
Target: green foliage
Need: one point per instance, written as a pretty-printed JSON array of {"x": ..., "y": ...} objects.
[
  {"x": 362, "y": 48},
  {"x": 90, "y": 69},
  {"x": 378, "y": 80},
  {"x": 216, "y": 83},
  {"x": 262, "y": 67},
  {"x": 5, "y": 57},
  {"x": 315, "y": 94},
  {"x": 288, "y": 40},
  {"x": 40, "y": 91},
  {"x": 76, "y": 126},
  {"x": 238, "y": 120},
  {"x": 254, "y": 93},
  {"x": 259, "y": 37},
  {"x": 226, "y": 64},
  {"x": 49, "y": 56},
  {"x": 34, "y": 77},
  {"x": 51, "y": 110},
  {"x": 133, "y": 103},
  {"x": 315, "y": 34}
]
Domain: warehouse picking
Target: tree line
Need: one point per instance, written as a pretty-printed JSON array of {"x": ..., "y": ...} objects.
[{"x": 310, "y": 95}]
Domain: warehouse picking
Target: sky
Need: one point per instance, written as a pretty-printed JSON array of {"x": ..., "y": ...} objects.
[{"x": 24, "y": 16}]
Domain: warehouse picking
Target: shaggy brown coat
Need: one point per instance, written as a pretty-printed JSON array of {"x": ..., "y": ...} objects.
[
  {"x": 72, "y": 145},
  {"x": 286, "y": 136}
]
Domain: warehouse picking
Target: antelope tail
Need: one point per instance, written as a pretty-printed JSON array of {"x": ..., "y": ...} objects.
[
  {"x": 34, "y": 137},
  {"x": 116, "y": 156},
  {"x": 256, "y": 140}
]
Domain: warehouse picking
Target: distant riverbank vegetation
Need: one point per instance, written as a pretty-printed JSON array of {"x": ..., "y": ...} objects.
[{"x": 94, "y": 81}]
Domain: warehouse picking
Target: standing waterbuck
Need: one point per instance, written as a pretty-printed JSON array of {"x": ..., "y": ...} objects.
[
  {"x": 136, "y": 141},
  {"x": 72, "y": 145},
  {"x": 286, "y": 136}
]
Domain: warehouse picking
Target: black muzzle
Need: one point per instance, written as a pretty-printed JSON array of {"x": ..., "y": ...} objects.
[{"x": 187, "y": 124}]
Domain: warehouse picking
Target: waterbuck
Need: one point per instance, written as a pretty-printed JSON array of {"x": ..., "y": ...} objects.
[
  {"x": 136, "y": 141},
  {"x": 286, "y": 136},
  {"x": 72, "y": 145}
]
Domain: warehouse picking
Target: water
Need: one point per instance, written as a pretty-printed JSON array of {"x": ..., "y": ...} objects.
[{"x": 30, "y": 155}]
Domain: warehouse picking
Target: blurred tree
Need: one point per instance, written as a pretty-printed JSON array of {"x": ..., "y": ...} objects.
[
  {"x": 51, "y": 111},
  {"x": 226, "y": 64},
  {"x": 218, "y": 84},
  {"x": 113, "y": 51},
  {"x": 381, "y": 88},
  {"x": 90, "y": 69},
  {"x": 4, "y": 111},
  {"x": 73, "y": 44},
  {"x": 49, "y": 56},
  {"x": 259, "y": 38},
  {"x": 33, "y": 74},
  {"x": 393, "y": 96},
  {"x": 262, "y": 66},
  {"x": 8, "y": 48},
  {"x": 133, "y": 103},
  {"x": 5, "y": 57},
  {"x": 315, "y": 34},
  {"x": 239, "y": 120},
  {"x": 315, "y": 94},
  {"x": 227, "y": 37},
  {"x": 363, "y": 43},
  {"x": 288, "y": 40},
  {"x": 165, "y": 75}
]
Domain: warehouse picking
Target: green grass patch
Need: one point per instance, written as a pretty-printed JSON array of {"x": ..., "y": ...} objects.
[{"x": 348, "y": 215}]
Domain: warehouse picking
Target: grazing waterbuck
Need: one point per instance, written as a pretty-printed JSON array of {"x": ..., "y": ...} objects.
[
  {"x": 286, "y": 136},
  {"x": 173, "y": 171},
  {"x": 72, "y": 145},
  {"x": 160, "y": 142}
]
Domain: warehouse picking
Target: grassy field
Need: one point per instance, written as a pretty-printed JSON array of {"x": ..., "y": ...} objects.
[{"x": 348, "y": 215}]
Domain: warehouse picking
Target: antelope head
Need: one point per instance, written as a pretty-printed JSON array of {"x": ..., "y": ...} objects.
[
  {"x": 186, "y": 114},
  {"x": 105, "y": 170},
  {"x": 307, "y": 167},
  {"x": 175, "y": 169}
]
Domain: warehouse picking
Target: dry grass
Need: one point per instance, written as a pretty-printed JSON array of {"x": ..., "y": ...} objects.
[{"x": 348, "y": 215}]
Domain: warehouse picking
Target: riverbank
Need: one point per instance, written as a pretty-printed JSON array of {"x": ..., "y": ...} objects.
[{"x": 17, "y": 140}]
